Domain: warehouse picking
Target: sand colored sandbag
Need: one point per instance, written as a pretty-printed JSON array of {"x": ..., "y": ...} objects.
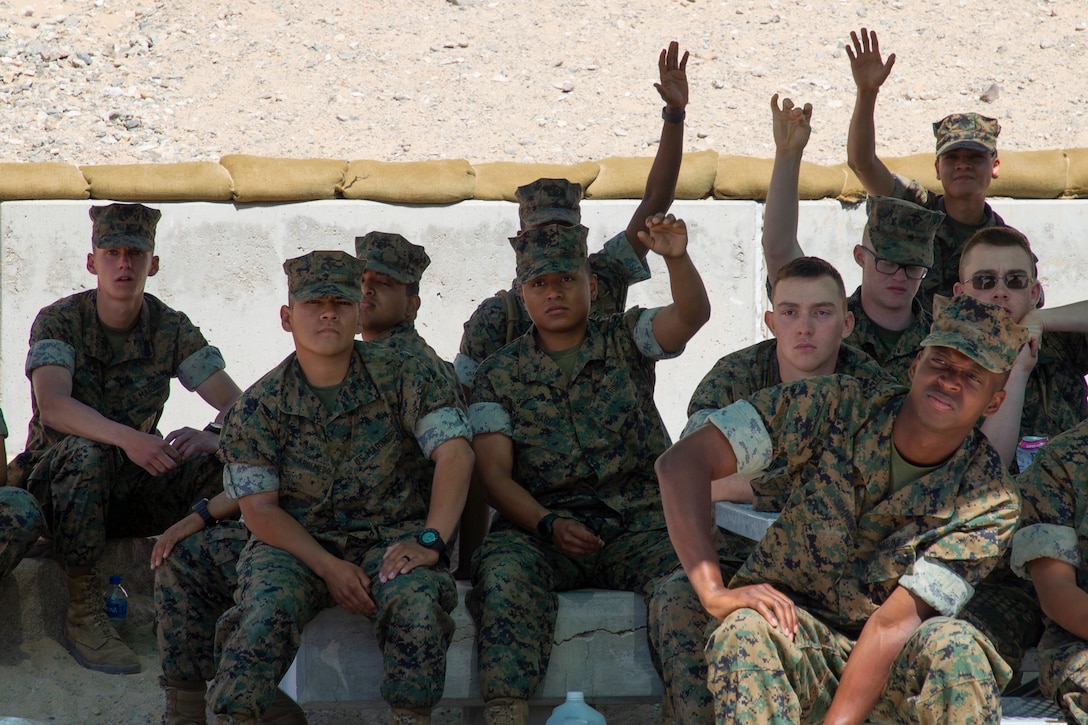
[
  {"x": 190, "y": 181},
  {"x": 1031, "y": 174},
  {"x": 743, "y": 177},
  {"x": 853, "y": 190},
  {"x": 625, "y": 178},
  {"x": 499, "y": 180},
  {"x": 1076, "y": 182},
  {"x": 918, "y": 167},
  {"x": 409, "y": 182},
  {"x": 260, "y": 179},
  {"x": 47, "y": 180}
]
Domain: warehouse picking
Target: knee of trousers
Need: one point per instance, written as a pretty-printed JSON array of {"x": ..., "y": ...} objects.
[
  {"x": 93, "y": 462},
  {"x": 675, "y": 616},
  {"x": 744, "y": 641},
  {"x": 21, "y": 515}
]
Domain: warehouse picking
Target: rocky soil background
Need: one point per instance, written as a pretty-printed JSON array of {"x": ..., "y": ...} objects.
[
  {"x": 125, "y": 81},
  {"x": 115, "y": 81}
]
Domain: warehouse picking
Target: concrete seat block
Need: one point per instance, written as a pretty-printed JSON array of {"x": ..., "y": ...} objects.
[
  {"x": 600, "y": 648},
  {"x": 742, "y": 519}
]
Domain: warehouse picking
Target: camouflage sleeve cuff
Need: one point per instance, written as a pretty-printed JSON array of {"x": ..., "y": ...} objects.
[
  {"x": 696, "y": 421},
  {"x": 645, "y": 341},
  {"x": 938, "y": 586},
  {"x": 1043, "y": 541},
  {"x": 51, "y": 352},
  {"x": 200, "y": 366},
  {"x": 439, "y": 426},
  {"x": 466, "y": 369},
  {"x": 241, "y": 480},
  {"x": 490, "y": 418},
  {"x": 744, "y": 429},
  {"x": 619, "y": 249}
]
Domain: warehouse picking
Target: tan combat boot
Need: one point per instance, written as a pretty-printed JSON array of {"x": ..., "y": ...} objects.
[
  {"x": 184, "y": 702},
  {"x": 410, "y": 716},
  {"x": 283, "y": 711},
  {"x": 89, "y": 635},
  {"x": 506, "y": 711}
]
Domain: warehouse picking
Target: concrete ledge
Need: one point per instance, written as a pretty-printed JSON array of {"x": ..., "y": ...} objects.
[
  {"x": 600, "y": 648},
  {"x": 742, "y": 519}
]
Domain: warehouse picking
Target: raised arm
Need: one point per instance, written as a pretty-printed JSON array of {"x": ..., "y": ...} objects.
[
  {"x": 869, "y": 73},
  {"x": 870, "y": 662},
  {"x": 690, "y": 309},
  {"x": 792, "y": 127},
  {"x": 661, "y": 181}
]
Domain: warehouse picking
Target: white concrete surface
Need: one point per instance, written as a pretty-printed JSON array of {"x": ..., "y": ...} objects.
[{"x": 221, "y": 264}]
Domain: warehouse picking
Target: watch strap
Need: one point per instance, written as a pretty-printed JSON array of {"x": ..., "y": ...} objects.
[{"x": 201, "y": 510}]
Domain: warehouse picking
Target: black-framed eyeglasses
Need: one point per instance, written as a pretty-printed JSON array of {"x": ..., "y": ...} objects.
[
  {"x": 1012, "y": 280},
  {"x": 888, "y": 267}
]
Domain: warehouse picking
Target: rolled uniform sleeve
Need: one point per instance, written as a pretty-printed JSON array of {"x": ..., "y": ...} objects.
[
  {"x": 240, "y": 480},
  {"x": 51, "y": 352},
  {"x": 490, "y": 418},
  {"x": 696, "y": 421},
  {"x": 201, "y": 365},
  {"x": 645, "y": 341},
  {"x": 1043, "y": 541},
  {"x": 619, "y": 249},
  {"x": 744, "y": 429},
  {"x": 439, "y": 426},
  {"x": 938, "y": 586}
]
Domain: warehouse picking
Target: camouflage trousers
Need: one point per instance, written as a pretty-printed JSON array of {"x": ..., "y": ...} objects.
[
  {"x": 1005, "y": 610},
  {"x": 91, "y": 491},
  {"x": 193, "y": 587},
  {"x": 515, "y": 577},
  {"x": 678, "y": 629},
  {"x": 277, "y": 595},
  {"x": 21, "y": 523},
  {"x": 1063, "y": 672},
  {"x": 947, "y": 672}
]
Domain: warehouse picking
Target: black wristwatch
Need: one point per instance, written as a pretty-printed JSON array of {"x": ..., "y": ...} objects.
[
  {"x": 201, "y": 510},
  {"x": 431, "y": 539},
  {"x": 214, "y": 427},
  {"x": 544, "y": 526}
]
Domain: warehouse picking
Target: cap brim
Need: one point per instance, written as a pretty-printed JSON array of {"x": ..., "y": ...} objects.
[
  {"x": 124, "y": 241},
  {"x": 552, "y": 215},
  {"x": 554, "y": 265},
  {"x": 397, "y": 274},
  {"x": 326, "y": 289},
  {"x": 965, "y": 144},
  {"x": 957, "y": 342}
]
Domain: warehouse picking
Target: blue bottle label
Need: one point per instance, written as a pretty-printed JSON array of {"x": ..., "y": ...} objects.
[{"x": 116, "y": 608}]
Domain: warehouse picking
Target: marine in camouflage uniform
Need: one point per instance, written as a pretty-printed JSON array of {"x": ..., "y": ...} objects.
[
  {"x": 902, "y": 234},
  {"x": 862, "y": 532},
  {"x": 1054, "y": 537},
  {"x": 958, "y": 130},
  {"x": 21, "y": 518},
  {"x": 582, "y": 438},
  {"x": 344, "y": 464},
  {"x": 617, "y": 266},
  {"x": 89, "y": 488}
]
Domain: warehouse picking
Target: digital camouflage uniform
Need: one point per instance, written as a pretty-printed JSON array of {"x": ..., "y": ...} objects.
[
  {"x": 955, "y": 131},
  {"x": 1054, "y": 490},
  {"x": 734, "y": 377},
  {"x": 584, "y": 448},
  {"x": 844, "y": 542},
  {"x": 849, "y": 536},
  {"x": 617, "y": 267},
  {"x": 351, "y": 478},
  {"x": 21, "y": 520},
  {"x": 900, "y": 232},
  {"x": 1055, "y": 398},
  {"x": 90, "y": 490}
]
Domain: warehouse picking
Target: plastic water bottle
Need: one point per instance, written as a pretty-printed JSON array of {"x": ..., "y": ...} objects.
[
  {"x": 116, "y": 601},
  {"x": 575, "y": 711}
]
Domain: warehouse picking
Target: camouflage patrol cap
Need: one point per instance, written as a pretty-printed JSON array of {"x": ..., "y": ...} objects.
[
  {"x": 900, "y": 231},
  {"x": 324, "y": 274},
  {"x": 980, "y": 330},
  {"x": 392, "y": 255},
  {"x": 553, "y": 249},
  {"x": 549, "y": 201},
  {"x": 966, "y": 131},
  {"x": 130, "y": 226}
]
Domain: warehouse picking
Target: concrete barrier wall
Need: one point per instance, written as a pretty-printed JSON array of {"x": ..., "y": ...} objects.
[{"x": 221, "y": 264}]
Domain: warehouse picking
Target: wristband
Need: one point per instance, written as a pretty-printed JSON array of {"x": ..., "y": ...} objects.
[
  {"x": 544, "y": 526},
  {"x": 673, "y": 117},
  {"x": 201, "y": 510},
  {"x": 431, "y": 539},
  {"x": 214, "y": 427}
]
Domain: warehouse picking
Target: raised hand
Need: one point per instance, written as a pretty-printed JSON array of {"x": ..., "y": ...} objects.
[
  {"x": 666, "y": 235},
  {"x": 868, "y": 69},
  {"x": 792, "y": 126},
  {"x": 673, "y": 87}
]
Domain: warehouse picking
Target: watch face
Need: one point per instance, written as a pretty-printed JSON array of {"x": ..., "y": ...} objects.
[{"x": 428, "y": 537}]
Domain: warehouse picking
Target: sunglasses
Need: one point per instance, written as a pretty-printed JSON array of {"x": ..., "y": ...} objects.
[
  {"x": 888, "y": 267},
  {"x": 1013, "y": 280}
]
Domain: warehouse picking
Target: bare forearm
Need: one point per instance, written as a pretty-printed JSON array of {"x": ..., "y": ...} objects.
[
  {"x": 69, "y": 416},
  {"x": 780, "y": 213},
  {"x": 689, "y": 299},
  {"x": 452, "y": 472},
  {"x": 1067, "y": 318},
  {"x": 277, "y": 528},
  {"x": 660, "y": 182},
  {"x": 1002, "y": 428},
  {"x": 861, "y": 146}
]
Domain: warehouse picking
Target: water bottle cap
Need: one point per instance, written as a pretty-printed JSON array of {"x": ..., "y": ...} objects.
[
  {"x": 115, "y": 579},
  {"x": 576, "y": 697}
]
